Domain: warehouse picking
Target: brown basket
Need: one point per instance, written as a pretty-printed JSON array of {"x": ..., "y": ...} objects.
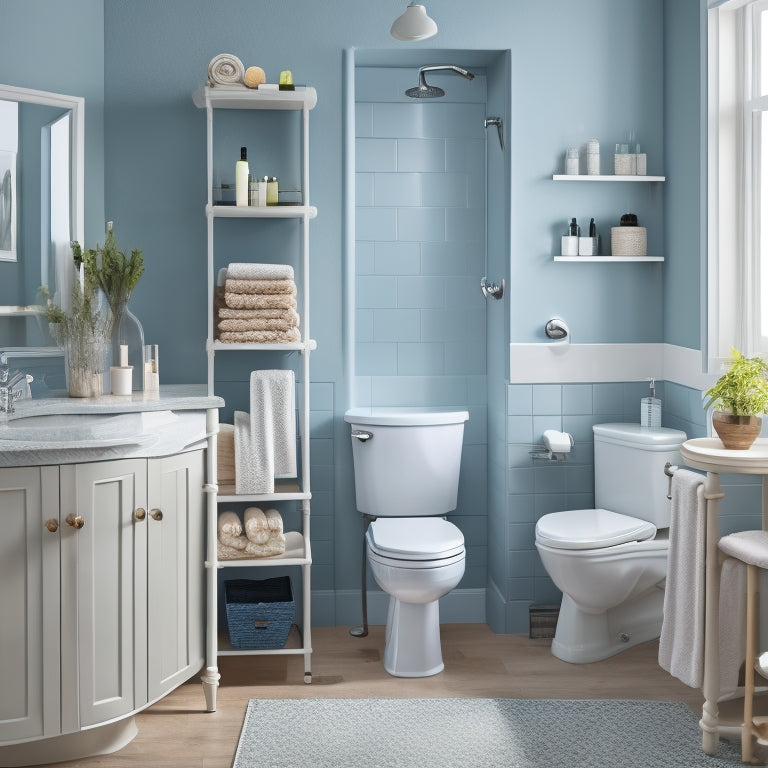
[{"x": 629, "y": 241}]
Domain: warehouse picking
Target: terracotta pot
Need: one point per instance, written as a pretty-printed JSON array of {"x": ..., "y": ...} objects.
[{"x": 736, "y": 432}]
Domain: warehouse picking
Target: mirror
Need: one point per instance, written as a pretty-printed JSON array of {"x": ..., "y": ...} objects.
[{"x": 41, "y": 210}]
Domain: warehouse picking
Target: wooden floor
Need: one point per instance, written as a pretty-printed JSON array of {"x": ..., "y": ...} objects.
[{"x": 178, "y": 733}]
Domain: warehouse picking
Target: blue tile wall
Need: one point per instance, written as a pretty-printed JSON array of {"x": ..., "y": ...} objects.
[{"x": 420, "y": 337}]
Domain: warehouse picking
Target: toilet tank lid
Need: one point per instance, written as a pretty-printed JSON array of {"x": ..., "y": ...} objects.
[
  {"x": 394, "y": 417},
  {"x": 639, "y": 435}
]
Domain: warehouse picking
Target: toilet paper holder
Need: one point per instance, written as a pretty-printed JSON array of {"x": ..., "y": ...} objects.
[{"x": 555, "y": 446}]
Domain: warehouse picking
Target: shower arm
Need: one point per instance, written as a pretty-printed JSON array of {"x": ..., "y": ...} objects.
[{"x": 443, "y": 68}]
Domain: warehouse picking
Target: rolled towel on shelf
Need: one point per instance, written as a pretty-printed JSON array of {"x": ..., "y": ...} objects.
[
  {"x": 274, "y": 521},
  {"x": 226, "y": 69},
  {"x": 257, "y": 301},
  {"x": 291, "y": 336},
  {"x": 261, "y": 287},
  {"x": 230, "y": 530},
  {"x": 247, "y": 271},
  {"x": 256, "y": 525}
]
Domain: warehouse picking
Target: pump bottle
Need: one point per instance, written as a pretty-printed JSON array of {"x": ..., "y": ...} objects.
[{"x": 241, "y": 178}]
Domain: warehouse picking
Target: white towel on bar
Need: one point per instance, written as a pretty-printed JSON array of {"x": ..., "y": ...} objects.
[
  {"x": 265, "y": 439},
  {"x": 247, "y": 271},
  {"x": 681, "y": 645}
]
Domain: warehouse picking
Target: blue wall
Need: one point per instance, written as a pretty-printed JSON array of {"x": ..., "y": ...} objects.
[{"x": 596, "y": 68}]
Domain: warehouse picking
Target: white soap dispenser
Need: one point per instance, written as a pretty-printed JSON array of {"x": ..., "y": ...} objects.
[
  {"x": 650, "y": 409},
  {"x": 241, "y": 178}
]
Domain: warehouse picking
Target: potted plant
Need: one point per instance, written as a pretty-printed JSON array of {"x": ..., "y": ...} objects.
[
  {"x": 740, "y": 398},
  {"x": 83, "y": 330}
]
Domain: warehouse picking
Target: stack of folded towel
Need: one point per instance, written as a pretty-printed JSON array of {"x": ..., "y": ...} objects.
[
  {"x": 257, "y": 304},
  {"x": 263, "y": 536}
]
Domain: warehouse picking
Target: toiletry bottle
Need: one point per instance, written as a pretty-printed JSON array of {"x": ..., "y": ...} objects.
[
  {"x": 272, "y": 191},
  {"x": 592, "y": 228},
  {"x": 241, "y": 178},
  {"x": 262, "y": 198},
  {"x": 650, "y": 409},
  {"x": 574, "y": 228}
]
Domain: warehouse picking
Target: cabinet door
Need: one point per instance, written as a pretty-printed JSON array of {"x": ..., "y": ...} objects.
[
  {"x": 99, "y": 594},
  {"x": 29, "y": 604},
  {"x": 176, "y": 576}
]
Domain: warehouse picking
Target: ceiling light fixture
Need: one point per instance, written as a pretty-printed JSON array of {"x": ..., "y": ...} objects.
[{"x": 414, "y": 24}]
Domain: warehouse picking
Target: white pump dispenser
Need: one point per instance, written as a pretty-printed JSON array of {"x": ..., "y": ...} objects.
[{"x": 650, "y": 409}]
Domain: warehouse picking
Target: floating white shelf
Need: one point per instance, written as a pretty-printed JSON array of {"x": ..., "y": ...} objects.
[
  {"x": 267, "y": 212},
  {"x": 609, "y": 258},
  {"x": 605, "y": 177}
]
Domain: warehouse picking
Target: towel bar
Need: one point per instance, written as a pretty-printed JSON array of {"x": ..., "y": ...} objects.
[{"x": 669, "y": 470}]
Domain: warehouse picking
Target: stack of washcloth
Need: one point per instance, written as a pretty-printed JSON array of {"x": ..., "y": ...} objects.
[
  {"x": 263, "y": 536},
  {"x": 256, "y": 303}
]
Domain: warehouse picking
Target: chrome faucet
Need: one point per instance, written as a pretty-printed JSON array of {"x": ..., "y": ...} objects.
[{"x": 10, "y": 391}]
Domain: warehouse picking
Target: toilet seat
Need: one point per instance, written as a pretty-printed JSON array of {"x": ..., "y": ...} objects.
[
  {"x": 414, "y": 538},
  {"x": 591, "y": 529}
]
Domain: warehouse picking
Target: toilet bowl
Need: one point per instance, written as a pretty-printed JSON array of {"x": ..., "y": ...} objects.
[
  {"x": 610, "y": 562},
  {"x": 415, "y": 561},
  {"x": 406, "y": 467}
]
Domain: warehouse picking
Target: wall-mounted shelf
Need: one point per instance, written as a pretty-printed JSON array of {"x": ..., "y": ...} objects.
[
  {"x": 609, "y": 258},
  {"x": 606, "y": 177}
]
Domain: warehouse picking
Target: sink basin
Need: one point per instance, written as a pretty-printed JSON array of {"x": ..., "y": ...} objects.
[{"x": 69, "y": 430}]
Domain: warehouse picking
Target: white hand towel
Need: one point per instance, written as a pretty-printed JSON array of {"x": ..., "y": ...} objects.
[
  {"x": 265, "y": 441},
  {"x": 226, "y": 69},
  {"x": 240, "y": 271},
  {"x": 681, "y": 645}
]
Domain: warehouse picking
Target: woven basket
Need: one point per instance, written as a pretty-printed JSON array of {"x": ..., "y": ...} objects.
[
  {"x": 259, "y": 612},
  {"x": 629, "y": 241}
]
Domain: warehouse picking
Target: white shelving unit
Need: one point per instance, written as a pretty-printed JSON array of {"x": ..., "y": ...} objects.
[
  {"x": 607, "y": 177},
  {"x": 298, "y": 550}
]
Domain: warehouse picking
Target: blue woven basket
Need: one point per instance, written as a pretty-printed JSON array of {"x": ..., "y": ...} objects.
[{"x": 259, "y": 612}]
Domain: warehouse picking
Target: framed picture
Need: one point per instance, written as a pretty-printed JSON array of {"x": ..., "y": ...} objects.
[{"x": 7, "y": 206}]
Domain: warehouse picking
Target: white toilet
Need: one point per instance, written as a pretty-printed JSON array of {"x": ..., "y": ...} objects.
[
  {"x": 407, "y": 477},
  {"x": 611, "y": 562}
]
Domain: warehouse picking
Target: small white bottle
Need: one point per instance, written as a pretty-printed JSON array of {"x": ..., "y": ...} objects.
[
  {"x": 650, "y": 409},
  {"x": 241, "y": 178}
]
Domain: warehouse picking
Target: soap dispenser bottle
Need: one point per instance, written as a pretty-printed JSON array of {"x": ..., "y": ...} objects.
[
  {"x": 650, "y": 409},
  {"x": 241, "y": 178}
]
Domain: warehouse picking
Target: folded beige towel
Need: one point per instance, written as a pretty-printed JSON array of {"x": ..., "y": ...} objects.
[
  {"x": 224, "y": 552},
  {"x": 277, "y": 313},
  {"x": 275, "y": 545},
  {"x": 264, "y": 287},
  {"x": 261, "y": 337},
  {"x": 257, "y": 324},
  {"x": 258, "y": 301},
  {"x": 225, "y": 455},
  {"x": 230, "y": 530},
  {"x": 247, "y": 271}
]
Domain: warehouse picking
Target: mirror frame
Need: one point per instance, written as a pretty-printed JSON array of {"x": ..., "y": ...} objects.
[{"x": 76, "y": 105}]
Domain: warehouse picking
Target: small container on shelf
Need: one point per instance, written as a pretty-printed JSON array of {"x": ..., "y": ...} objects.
[
  {"x": 259, "y": 612},
  {"x": 569, "y": 245},
  {"x": 588, "y": 246},
  {"x": 629, "y": 241},
  {"x": 572, "y": 161}
]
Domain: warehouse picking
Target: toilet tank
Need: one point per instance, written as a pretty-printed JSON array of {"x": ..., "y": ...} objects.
[
  {"x": 409, "y": 466},
  {"x": 629, "y": 469}
]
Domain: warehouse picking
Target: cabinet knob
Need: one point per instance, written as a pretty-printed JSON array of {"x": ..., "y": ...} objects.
[
  {"x": 52, "y": 525},
  {"x": 75, "y": 521},
  {"x": 140, "y": 514},
  {"x": 156, "y": 514}
]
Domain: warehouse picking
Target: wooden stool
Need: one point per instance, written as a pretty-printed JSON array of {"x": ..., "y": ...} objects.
[{"x": 751, "y": 548}]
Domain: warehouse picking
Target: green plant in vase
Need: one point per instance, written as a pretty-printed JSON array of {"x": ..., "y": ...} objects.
[
  {"x": 83, "y": 331},
  {"x": 740, "y": 398}
]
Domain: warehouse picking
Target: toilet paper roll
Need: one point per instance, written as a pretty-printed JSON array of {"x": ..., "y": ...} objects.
[{"x": 557, "y": 442}]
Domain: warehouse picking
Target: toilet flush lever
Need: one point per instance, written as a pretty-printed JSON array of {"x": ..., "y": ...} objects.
[{"x": 362, "y": 435}]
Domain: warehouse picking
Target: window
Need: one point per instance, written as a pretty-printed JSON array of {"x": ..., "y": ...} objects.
[{"x": 738, "y": 178}]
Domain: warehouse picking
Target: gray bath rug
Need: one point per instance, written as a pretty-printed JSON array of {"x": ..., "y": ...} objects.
[{"x": 473, "y": 733}]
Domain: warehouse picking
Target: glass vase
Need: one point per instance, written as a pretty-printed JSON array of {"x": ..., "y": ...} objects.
[
  {"x": 127, "y": 331},
  {"x": 84, "y": 360}
]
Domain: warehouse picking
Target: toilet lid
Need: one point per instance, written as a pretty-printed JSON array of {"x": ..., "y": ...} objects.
[
  {"x": 591, "y": 529},
  {"x": 415, "y": 538}
]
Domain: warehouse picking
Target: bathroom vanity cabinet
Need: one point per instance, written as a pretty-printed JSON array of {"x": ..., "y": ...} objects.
[
  {"x": 101, "y": 590},
  {"x": 273, "y": 134}
]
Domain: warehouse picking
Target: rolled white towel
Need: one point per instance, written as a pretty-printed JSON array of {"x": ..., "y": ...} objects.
[
  {"x": 274, "y": 521},
  {"x": 229, "y": 523},
  {"x": 226, "y": 69},
  {"x": 246, "y": 271},
  {"x": 256, "y": 525}
]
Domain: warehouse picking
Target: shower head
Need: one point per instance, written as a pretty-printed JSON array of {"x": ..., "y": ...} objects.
[{"x": 426, "y": 91}]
